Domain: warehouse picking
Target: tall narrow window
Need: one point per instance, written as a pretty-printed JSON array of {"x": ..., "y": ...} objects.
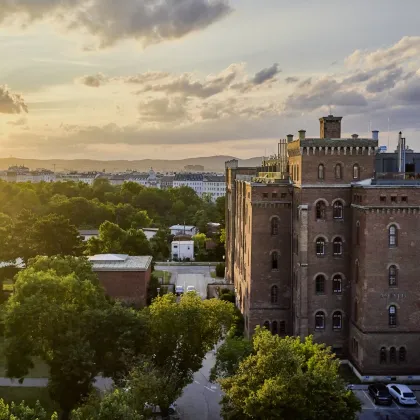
[
  {"x": 357, "y": 233},
  {"x": 402, "y": 354},
  {"x": 274, "y": 294},
  {"x": 337, "y": 320},
  {"x": 337, "y": 247},
  {"x": 393, "y": 355},
  {"x": 356, "y": 171},
  {"x": 392, "y": 316},
  {"x": 319, "y": 320},
  {"x": 267, "y": 325},
  {"x": 321, "y": 171},
  {"x": 338, "y": 210},
  {"x": 274, "y": 226},
  {"x": 297, "y": 173},
  {"x": 320, "y": 285},
  {"x": 274, "y": 261},
  {"x": 320, "y": 246},
  {"x": 382, "y": 355},
  {"x": 274, "y": 328},
  {"x": 338, "y": 171},
  {"x": 356, "y": 271},
  {"x": 356, "y": 311},
  {"x": 320, "y": 210},
  {"x": 337, "y": 284},
  {"x": 392, "y": 236},
  {"x": 282, "y": 327},
  {"x": 392, "y": 275}
]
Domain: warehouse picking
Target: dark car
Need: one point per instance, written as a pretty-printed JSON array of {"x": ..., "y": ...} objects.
[{"x": 380, "y": 394}]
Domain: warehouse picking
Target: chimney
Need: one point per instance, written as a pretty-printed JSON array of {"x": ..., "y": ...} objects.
[
  {"x": 354, "y": 136},
  {"x": 375, "y": 135},
  {"x": 289, "y": 138},
  {"x": 302, "y": 134},
  {"x": 330, "y": 127}
]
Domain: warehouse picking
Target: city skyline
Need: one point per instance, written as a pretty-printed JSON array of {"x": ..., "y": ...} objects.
[{"x": 200, "y": 78}]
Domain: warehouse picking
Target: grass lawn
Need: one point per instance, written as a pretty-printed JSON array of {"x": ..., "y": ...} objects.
[
  {"x": 39, "y": 371},
  {"x": 28, "y": 394},
  {"x": 165, "y": 275},
  {"x": 8, "y": 285}
]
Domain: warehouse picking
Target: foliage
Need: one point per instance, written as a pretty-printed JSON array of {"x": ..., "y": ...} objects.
[
  {"x": 160, "y": 245},
  {"x": 23, "y": 412},
  {"x": 229, "y": 296},
  {"x": 238, "y": 327},
  {"x": 285, "y": 378},
  {"x": 220, "y": 270}
]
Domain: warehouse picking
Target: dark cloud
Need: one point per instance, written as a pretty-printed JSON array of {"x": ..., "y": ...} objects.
[
  {"x": 110, "y": 21},
  {"x": 265, "y": 75},
  {"x": 409, "y": 92},
  {"x": 95, "y": 80},
  {"x": 141, "y": 78},
  {"x": 11, "y": 103},
  {"x": 290, "y": 80},
  {"x": 164, "y": 110},
  {"x": 385, "y": 81}
]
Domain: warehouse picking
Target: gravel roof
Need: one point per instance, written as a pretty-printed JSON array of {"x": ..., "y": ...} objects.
[{"x": 119, "y": 262}]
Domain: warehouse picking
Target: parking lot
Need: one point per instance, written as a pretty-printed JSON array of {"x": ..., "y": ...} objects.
[{"x": 371, "y": 411}]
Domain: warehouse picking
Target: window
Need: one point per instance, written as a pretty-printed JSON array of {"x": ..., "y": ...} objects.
[
  {"x": 356, "y": 171},
  {"x": 382, "y": 198},
  {"x": 297, "y": 173},
  {"x": 337, "y": 320},
  {"x": 274, "y": 294},
  {"x": 337, "y": 284},
  {"x": 392, "y": 316},
  {"x": 338, "y": 210},
  {"x": 404, "y": 199},
  {"x": 321, "y": 171},
  {"x": 282, "y": 327},
  {"x": 319, "y": 321},
  {"x": 274, "y": 328},
  {"x": 402, "y": 354},
  {"x": 283, "y": 195},
  {"x": 274, "y": 261},
  {"x": 393, "y": 355},
  {"x": 320, "y": 210},
  {"x": 320, "y": 285},
  {"x": 267, "y": 325},
  {"x": 337, "y": 247},
  {"x": 382, "y": 355},
  {"x": 356, "y": 311},
  {"x": 274, "y": 226},
  {"x": 357, "y": 233},
  {"x": 356, "y": 271},
  {"x": 320, "y": 246},
  {"x": 338, "y": 171},
  {"x": 273, "y": 195},
  {"x": 392, "y": 236},
  {"x": 393, "y": 198},
  {"x": 265, "y": 195},
  {"x": 392, "y": 275}
]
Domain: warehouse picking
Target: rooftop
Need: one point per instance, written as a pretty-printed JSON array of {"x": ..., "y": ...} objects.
[
  {"x": 342, "y": 142},
  {"x": 182, "y": 227},
  {"x": 189, "y": 177},
  {"x": 119, "y": 262}
]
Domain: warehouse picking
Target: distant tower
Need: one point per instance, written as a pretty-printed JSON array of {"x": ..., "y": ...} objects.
[{"x": 330, "y": 127}]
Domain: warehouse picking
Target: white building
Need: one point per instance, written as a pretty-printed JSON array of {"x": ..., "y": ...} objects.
[
  {"x": 150, "y": 232},
  {"x": 194, "y": 181},
  {"x": 150, "y": 179},
  {"x": 86, "y": 234},
  {"x": 183, "y": 230},
  {"x": 214, "y": 186},
  {"x": 182, "y": 250}
]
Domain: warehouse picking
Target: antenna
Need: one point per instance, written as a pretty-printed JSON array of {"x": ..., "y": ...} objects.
[{"x": 388, "y": 134}]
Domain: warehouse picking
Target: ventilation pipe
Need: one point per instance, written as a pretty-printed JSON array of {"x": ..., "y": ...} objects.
[
  {"x": 289, "y": 138},
  {"x": 302, "y": 134},
  {"x": 375, "y": 135}
]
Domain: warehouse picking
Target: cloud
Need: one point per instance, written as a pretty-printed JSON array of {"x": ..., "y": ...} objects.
[
  {"x": 11, "y": 103},
  {"x": 265, "y": 75},
  {"x": 147, "y": 21},
  {"x": 95, "y": 80},
  {"x": 290, "y": 80},
  {"x": 18, "y": 122},
  {"x": 148, "y": 76},
  {"x": 164, "y": 110},
  {"x": 409, "y": 92},
  {"x": 385, "y": 81}
]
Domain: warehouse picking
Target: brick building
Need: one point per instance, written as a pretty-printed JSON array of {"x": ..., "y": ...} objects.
[
  {"x": 123, "y": 277},
  {"x": 319, "y": 243}
]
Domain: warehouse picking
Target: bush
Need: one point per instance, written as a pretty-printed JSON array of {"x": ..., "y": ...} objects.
[
  {"x": 227, "y": 296},
  {"x": 220, "y": 270}
]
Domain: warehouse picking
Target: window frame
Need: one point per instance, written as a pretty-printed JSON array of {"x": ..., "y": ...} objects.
[
  {"x": 337, "y": 315},
  {"x": 320, "y": 284},
  {"x": 321, "y": 210},
  {"x": 338, "y": 174},
  {"x": 318, "y": 243},
  {"x": 402, "y": 354},
  {"x": 274, "y": 328},
  {"x": 274, "y": 294},
  {"x": 392, "y": 355},
  {"x": 274, "y": 226},
  {"x": 356, "y": 171},
  {"x": 392, "y": 315},
  {"x": 392, "y": 236},
  {"x": 338, "y": 208},
  {"x": 321, "y": 172},
  {"x": 274, "y": 260},
  {"x": 337, "y": 279},
  {"x": 267, "y": 325},
  {"x": 282, "y": 327},
  {"x": 393, "y": 276},
  {"x": 337, "y": 246},
  {"x": 382, "y": 355},
  {"x": 319, "y": 316}
]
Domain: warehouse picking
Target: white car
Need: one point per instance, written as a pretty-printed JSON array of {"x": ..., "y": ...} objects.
[
  {"x": 179, "y": 290},
  {"x": 402, "y": 394},
  {"x": 190, "y": 289}
]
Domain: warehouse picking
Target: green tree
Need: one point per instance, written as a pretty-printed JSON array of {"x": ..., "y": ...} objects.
[
  {"x": 21, "y": 411},
  {"x": 160, "y": 245},
  {"x": 6, "y": 235},
  {"x": 286, "y": 378}
]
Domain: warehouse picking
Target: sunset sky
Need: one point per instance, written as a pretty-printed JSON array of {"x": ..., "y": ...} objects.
[{"x": 134, "y": 79}]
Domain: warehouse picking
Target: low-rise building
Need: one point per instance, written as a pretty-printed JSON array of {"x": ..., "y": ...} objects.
[
  {"x": 182, "y": 250},
  {"x": 186, "y": 230},
  {"x": 86, "y": 234},
  {"x": 124, "y": 278}
]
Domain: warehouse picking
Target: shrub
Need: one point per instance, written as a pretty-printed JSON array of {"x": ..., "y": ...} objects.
[{"x": 220, "y": 270}]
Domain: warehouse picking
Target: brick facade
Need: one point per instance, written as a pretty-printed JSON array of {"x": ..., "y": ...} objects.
[{"x": 332, "y": 274}]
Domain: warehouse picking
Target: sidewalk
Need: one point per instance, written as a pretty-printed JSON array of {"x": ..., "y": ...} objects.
[
  {"x": 100, "y": 382},
  {"x": 364, "y": 387}
]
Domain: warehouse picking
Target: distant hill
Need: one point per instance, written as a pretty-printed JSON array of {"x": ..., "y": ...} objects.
[{"x": 210, "y": 163}]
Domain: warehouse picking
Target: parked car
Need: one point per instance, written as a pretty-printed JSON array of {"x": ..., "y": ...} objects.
[
  {"x": 402, "y": 394},
  {"x": 380, "y": 394},
  {"x": 190, "y": 288},
  {"x": 179, "y": 290}
]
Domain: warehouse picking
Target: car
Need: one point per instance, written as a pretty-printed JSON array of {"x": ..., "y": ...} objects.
[
  {"x": 380, "y": 394},
  {"x": 190, "y": 288},
  {"x": 402, "y": 394},
  {"x": 179, "y": 290}
]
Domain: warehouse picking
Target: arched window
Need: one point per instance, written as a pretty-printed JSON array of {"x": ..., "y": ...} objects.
[
  {"x": 282, "y": 327},
  {"x": 382, "y": 355},
  {"x": 320, "y": 210},
  {"x": 274, "y": 261},
  {"x": 356, "y": 311},
  {"x": 337, "y": 284},
  {"x": 392, "y": 275},
  {"x": 321, "y": 171},
  {"x": 338, "y": 210},
  {"x": 267, "y": 325},
  {"x": 337, "y": 320},
  {"x": 338, "y": 171},
  {"x": 356, "y": 271},
  {"x": 274, "y": 226},
  {"x": 392, "y": 236},
  {"x": 320, "y": 246},
  {"x": 320, "y": 285},
  {"x": 393, "y": 355},
  {"x": 274, "y": 328},
  {"x": 337, "y": 247},
  {"x": 356, "y": 171},
  {"x": 274, "y": 294},
  {"x": 319, "y": 320},
  {"x": 297, "y": 173},
  {"x": 357, "y": 233},
  {"x": 402, "y": 354},
  {"x": 392, "y": 315}
]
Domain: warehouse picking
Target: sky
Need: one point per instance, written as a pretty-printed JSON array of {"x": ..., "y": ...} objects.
[{"x": 170, "y": 79}]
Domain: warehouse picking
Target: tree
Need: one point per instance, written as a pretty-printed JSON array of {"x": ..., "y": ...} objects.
[
  {"x": 23, "y": 412},
  {"x": 180, "y": 335},
  {"x": 6, "y": 235},
  {"x": 285, "y": 378},
  {"x": 160, "y": 245}
]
